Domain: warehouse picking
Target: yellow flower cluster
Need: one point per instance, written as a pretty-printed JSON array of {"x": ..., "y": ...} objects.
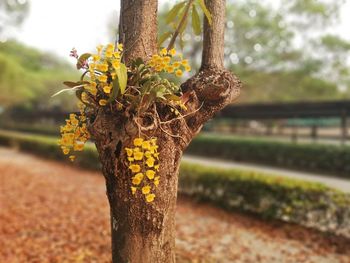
[
  {"x": 102, "y": 70},
  {"x": 144, "y": 164},
  {"x": 163, "y": 63},
  {"x": 74, "y": 134}
]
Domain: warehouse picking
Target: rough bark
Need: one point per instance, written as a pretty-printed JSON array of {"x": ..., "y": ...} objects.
[
  {"x": 213, "y": 45},
  {"x": 138, "y": 28},
  {"x": 145, "y": 232}
]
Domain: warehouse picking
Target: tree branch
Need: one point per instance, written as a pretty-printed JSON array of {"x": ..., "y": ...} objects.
[
  {"x": 213, "y": 87},
  {"x": 180, "y": 25},
  {"x": 213, "y": 35},
  {"x": 138, "y": 28}
]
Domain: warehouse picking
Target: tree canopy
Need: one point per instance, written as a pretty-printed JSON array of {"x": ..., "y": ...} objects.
[
  {"x": 283, "y": 51},
  {"x": 29, "y": 77}
]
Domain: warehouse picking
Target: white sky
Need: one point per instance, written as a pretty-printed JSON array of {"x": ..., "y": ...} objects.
[{"x": 58, "y": 26}]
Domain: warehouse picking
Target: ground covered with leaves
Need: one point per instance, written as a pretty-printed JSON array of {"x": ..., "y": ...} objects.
[{"x": 50, "y": 212}]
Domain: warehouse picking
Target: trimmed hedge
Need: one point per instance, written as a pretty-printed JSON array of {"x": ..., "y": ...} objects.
[
  {"x": 47, "y": 147},
  {"x": 310, "y": 204},
  {"x": 331, "y": 159},
  {"x": 320, "y": 158}
]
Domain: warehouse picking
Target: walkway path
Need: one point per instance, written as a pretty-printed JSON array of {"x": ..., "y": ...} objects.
[
  {"x": 52, "y": 212},
  {"x": 338, "y": 183}
]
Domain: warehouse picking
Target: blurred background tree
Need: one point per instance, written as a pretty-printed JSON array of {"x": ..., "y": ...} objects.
[
  {"x": 29, "y": 77},
  {"x": 12, "y": 14},
  {"x": 283, "y": 50}
]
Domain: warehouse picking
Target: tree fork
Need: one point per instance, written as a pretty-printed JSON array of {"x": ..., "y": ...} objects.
[{"x": 145, "y": 232}]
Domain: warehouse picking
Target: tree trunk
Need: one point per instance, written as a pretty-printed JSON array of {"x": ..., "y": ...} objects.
[{"x": 145, "y": 232}]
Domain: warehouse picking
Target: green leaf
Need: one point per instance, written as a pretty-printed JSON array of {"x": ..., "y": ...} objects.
[
  {"x": 196, "y": 22},
  {"x": 172, "y": 97},
  {"x": 115, "y": 90},
  {"x": 170, "y": 17},
  {"x": 137, "y": 62},
  {"x": 81, "y": 60},
  {"x": 184, "y": 25},
  {"x": 205, "y": 10},
  {"x": 122, "y": 74},
  {"x": 71, "y": 84},
  {"x": 163, "y": 37}
]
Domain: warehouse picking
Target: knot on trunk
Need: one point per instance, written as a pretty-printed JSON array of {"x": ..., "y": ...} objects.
[
  {"x": 209, "y": 91},
  {"x": 214, "y": 86}
]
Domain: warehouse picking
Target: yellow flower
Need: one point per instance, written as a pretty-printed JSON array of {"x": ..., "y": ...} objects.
[
  {"x": 163, "y": 52},
  {"x": 138, "y": 141},
  {"x": 178, "y": 73},
  {"x": 146, "y": 145},
  {"x": 156, "y": 155},
  {"x": 135, "y": 168},
  {"x": 131, "y": 159},
  {"x": 116, "y": 54},
  {"x": 156, "y": 167},
  {"x": 136, "y": 149},
  {"x": 99, "y": 48},
  {"x": 107, "y": 89},
  {"x": 84, "y": 97},
  {"x": 133, "y": 190},
  {"x": 110, "y": 47},
  {"x": 156, "y": 181},
  {"x": 150, "y": 174},
  {"x": 109, "y": 53},
  {"x": 120, "y": 47},
  {"x": 150, "y": 162},
  {"x": 172, "y": 52},
  {"x": 92, "y": 84},
  {"x": 184, "y": 62},
  {"x": 72, "y": 158},
  {"x": 153, "y": 148},
  {"x": 65, "y": 151},
  {"x": 102, "y": 78},
  {"x": 93, "y": 91},
  {"x": 128, "y": 151},
  {"x": 170, "y": 69},
  {"x": 78, "y": 147},
  {"x": 177, "y": 64},
  {"x": 166, "y": 59},
  {"x": 96, "y": 58},
  {"x": 102, "y": 102},
  {"x": 150, "y": 197},
  {"x": 136, "y": 181},
  {"x": 188, "y": 68},
  {"x": 138, "y": 156},
  {"x": 116, "y": 64},
  {"x": 102, "y": 67},
  {"x": 148, "y": 154},
  {"x": 75, "y": 122},
  {"x": 146, "y": 189},
  {"x": 139, "y": 176}
]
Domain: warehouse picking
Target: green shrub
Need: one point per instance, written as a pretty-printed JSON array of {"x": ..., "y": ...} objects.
[
  {"x": 307, "y": 203},
  {"x": 330, "y": 159},
  {"x": 321, "y": 158}
]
